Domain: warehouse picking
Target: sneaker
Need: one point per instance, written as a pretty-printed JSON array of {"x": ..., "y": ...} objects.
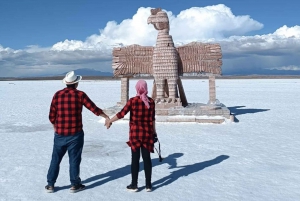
[
  {"x": 149, "y": 188},
  {"x": 49, "y": 189},
  {"x": 132, "y": 188},
  {"x": 75, "y": 189}
]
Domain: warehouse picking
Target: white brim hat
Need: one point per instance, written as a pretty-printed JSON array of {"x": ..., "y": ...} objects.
[{"x": 71, "y": 78}]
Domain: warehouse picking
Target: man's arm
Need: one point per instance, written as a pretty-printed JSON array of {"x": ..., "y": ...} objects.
[
  {"x": 104, "y": 115},
  {"x": 90, "y": 105}
]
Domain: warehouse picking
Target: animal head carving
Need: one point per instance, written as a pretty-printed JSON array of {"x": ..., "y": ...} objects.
[
  {"x": 159, "y": 19},
  {"x": 155, "y": 11}
]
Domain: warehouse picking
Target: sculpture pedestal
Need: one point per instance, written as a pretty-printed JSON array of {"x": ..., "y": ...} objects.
[{"x": 193, "y": 112}]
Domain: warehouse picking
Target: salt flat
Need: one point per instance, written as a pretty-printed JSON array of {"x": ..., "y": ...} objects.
[{"x": 256, "y": 158}]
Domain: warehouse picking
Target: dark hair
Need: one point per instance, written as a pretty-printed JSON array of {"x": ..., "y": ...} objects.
[{"x": 71, "y": 85}]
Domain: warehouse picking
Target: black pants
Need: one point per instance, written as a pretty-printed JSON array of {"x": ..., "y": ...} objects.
[{"x": 135, "y": 165}]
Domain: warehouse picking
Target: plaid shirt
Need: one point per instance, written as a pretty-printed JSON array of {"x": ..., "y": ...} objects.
[
  {"x": 66, "y": 108},
  {"x": 141, "y": 123}
]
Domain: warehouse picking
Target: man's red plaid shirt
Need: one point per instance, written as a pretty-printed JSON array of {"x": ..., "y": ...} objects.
[
  {"x": 141, "y": 123},
  {"x": 66, "y": 108}
]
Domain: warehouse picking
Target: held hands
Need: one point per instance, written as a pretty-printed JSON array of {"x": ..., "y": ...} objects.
[{"x": 107, "y": 123}]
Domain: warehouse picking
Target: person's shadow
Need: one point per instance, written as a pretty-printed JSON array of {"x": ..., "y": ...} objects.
[
  {"x": 171, "y": 160},
  {"x": 101, "y": 179},
  {"x": 186, "y": 170}
]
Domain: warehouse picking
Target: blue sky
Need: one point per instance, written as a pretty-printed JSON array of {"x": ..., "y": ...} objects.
[{"x": 33, "y": 31}]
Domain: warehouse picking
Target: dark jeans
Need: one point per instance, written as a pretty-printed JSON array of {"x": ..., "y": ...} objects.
[
  {"x": 72, "y": 144},
  {"x": 135, "y": 165}
]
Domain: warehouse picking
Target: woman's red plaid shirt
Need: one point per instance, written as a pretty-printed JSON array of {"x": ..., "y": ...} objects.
[{"x": 141, "y": 123}]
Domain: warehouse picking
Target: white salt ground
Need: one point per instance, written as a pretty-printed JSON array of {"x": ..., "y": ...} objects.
[{"x": 256, "y": 158}]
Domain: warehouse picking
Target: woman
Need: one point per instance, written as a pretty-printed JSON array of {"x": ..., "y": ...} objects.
[{"x": 141, "y": 134}]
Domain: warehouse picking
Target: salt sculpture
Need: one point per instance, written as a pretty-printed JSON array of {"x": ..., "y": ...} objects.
[{"x": 167, "y": 63}]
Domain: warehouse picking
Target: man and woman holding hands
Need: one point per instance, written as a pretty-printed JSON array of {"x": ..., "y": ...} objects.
[{"x": 65, "y": 116}]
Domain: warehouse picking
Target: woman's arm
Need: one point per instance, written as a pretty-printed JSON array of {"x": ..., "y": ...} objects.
[
  {"x": 119, "y": 115},
  {"x": 153, "y": 117},
  {"x": 155, "y": 139},
  {"x": 154, "y": 129}
]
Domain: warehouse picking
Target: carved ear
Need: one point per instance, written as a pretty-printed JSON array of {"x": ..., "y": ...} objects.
[{"x": 155, "y": 11}]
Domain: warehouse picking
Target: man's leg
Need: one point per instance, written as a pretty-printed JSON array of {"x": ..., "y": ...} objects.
[
  {"x": 147, "y": 165},
  {"x": 75, "y": 145},
  {"x": 59, "y": 150}
]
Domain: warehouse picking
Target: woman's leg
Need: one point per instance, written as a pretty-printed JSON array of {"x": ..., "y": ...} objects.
[
  {"x": 135, "y": 166},
  {"x": 147, "y": 165}
]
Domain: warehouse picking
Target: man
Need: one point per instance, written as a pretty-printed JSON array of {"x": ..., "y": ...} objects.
[{"x": 65, "y": 115}]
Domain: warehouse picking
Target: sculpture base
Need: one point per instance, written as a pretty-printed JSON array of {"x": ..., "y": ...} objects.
[{"x": 193, "y": 112}]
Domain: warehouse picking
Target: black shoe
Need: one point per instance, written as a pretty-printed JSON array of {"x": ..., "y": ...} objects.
[
  {"x": 75, "y": 189},
  {"x": 132, "y": 188},
  {"x": 149, "y": 188},
  {"x": 49, "y": 189}
]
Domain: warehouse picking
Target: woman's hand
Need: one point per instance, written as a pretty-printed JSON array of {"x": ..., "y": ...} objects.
[{"x": 155, "y": 139}]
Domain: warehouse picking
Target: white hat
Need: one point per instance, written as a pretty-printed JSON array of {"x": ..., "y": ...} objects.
[{"x": 71, "y": 78}]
